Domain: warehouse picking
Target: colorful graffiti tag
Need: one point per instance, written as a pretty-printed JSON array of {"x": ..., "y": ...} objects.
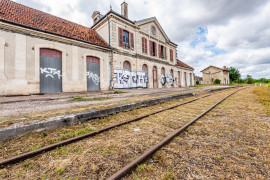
[{"x": 124, "y": 79}]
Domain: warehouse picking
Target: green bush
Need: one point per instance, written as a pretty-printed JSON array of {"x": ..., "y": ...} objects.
[
  {"x": 217, "y": 81},
  {"x": 197, "y": 82}
]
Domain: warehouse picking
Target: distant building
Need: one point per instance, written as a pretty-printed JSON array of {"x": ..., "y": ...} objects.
[
  {"x": 211, "y": 73},
  {"x": 198, "y": 78}
]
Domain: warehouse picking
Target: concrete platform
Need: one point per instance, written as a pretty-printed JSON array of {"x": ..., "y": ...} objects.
[{"x": 151, "y": 97}]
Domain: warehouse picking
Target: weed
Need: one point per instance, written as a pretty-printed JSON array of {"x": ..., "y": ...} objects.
[
  {"x": 36, "y": 147},
  {"x": 67, "y": 135},
  {"x": 141, "y": 167},
  {"x": 60, "y": 170},
  {"x": 78, "y": 98},
  {"x": 118, "y": 92},
  {"x": 168, "y": 176},
  {"x": 101, "y": 98},
  {"x": 219, "y": 157}
]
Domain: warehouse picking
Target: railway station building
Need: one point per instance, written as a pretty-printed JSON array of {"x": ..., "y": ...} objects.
[
  {"x": 211, "y": 73},
  {"x": 42, "y": 53}
]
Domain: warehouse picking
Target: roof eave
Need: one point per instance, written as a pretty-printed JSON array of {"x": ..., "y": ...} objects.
[{"x": 49, "y": 32}]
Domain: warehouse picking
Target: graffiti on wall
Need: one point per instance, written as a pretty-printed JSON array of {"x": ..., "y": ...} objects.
[
  {"x": 50, "y": 72},
  {"x": 129, "y": 79},
  {"x": 166, "y": 79},
  {"x": 95, "y": 78}
]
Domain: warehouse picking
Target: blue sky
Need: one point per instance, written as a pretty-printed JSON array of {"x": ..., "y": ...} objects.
[{"x": 220, "y": 33}]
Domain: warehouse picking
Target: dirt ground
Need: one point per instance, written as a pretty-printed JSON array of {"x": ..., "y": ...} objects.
[
  {"x": 23, "y": 108},
  {"x": 232, "y": 150}
]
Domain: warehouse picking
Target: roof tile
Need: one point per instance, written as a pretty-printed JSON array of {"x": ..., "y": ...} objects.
[
  {"x": 17, "y": 13},
  {"x": 180, "y": 63}
]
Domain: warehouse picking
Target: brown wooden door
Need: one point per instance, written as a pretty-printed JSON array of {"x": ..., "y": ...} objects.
[
  {"x": 179, "y": 79},
  {"x": 155, "y": 81}
]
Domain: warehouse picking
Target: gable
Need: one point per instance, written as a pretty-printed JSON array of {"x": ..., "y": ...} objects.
[{"x": 146, "y": 27}]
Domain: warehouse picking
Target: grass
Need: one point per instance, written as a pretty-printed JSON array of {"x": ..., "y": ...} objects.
[
  {"x": 118, "y": 92},
  {"x": 263, "y": 93},
  {"x": 79, "y": 98}
]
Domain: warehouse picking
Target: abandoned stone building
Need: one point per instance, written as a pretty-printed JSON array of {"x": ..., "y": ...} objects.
[
  {"x": 42, "y": 53},
  {"x": 211, "y": 73}
]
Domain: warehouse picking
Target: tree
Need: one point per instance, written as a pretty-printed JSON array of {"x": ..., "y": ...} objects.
[
  {"x": 234, "y": 74},
  {"x": 217, "y": 81},
  {"x": 249, "y": 79}
]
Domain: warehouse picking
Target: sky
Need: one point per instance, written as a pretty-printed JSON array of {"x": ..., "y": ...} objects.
[{"x": 232, "y": 33}]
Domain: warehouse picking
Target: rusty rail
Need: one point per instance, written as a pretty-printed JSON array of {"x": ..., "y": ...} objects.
[
  {"x": 152, "y": 150},
  {"x": 30, "y": 154}
]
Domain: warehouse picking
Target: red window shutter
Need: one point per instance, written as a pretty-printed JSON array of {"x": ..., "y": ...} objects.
[
  {"x": 151, "y": 48},
  {"x": 120, "y": 34},
  {"x": 171, "y": 54},
  {"x": 156, "y": 49},
  {"x": 159, "y": 50},
  {"x": 132, "y": 40},
  {"x": 165, "y": 53},
  {"x": 145, "y": 46}
]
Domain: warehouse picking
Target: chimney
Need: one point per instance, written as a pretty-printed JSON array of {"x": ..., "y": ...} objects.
[
  {"x": 124, "y": 9},
  {"x": 224, "y": 67},
  {"x": 95, "y": 16}
]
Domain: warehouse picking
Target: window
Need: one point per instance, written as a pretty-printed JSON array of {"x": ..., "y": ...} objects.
[
  {"x": 144, "y": 45},
  {"x": 126, "y": 39},
  {"x": 126, "y": 66},
  {"x": 153, "y": 30},
  {"x": 153, "y": 48},
  {"x": 171, "y": 54},
  {"x": 162, "y": 52}
]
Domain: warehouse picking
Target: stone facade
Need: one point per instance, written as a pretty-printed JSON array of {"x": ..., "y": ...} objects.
[
  {"x": 211, "y": 73},
  {"x": 21, "y": 44},
  {"x": 20, "y": 60},
  {"x": 108, "y": 28}
]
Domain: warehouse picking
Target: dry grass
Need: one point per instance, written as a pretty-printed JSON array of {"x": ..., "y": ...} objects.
[
  {"x": 264, "y": 95},
  {"x": 230, "y": 142},
  {"x": 101, "y": 156}
]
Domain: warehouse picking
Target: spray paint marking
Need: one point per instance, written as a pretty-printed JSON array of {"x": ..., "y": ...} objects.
[
  {"x": 50, "y": 72},
  {"x": 94, "y": 77}
]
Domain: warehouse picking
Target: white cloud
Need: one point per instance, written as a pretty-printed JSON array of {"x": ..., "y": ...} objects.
[{"x": 238, "y": 31}]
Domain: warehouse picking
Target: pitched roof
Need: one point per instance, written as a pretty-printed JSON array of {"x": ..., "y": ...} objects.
[
  {"x": 214, "y": 67},
  {"x": 180, "y": 63},
  {"x": 31, "y": 18}
]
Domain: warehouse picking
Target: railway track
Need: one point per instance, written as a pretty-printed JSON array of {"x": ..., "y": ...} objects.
[{"x": 202, "y": 101}]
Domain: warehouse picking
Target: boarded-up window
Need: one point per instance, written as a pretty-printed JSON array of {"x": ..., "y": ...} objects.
[
  {"x": 171, "y": 54},
  {"x": 144, "y": 45}
]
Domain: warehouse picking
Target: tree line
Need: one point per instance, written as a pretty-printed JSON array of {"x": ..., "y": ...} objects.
[{"x": 235, "y": 77}]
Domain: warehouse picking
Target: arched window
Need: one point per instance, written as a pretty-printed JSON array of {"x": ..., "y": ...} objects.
[
  {"x": 144, "y": 68},
  {"x": 127, "y": 66}
]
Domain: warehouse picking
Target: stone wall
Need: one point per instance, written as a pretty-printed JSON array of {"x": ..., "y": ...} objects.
[{"x": 20, "y": 63}]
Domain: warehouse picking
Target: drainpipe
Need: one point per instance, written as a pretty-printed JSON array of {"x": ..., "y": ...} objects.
[{"x": 110, "y": 56}]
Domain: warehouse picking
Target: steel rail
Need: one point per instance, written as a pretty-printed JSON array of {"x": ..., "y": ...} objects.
[
  {"x": 30, "y": 154},
  {"x": 156, "y": 147}
]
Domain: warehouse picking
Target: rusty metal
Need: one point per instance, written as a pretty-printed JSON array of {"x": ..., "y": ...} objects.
[
  {"x": 152, "y": 150},
  {"x": 30, "y": 154}
]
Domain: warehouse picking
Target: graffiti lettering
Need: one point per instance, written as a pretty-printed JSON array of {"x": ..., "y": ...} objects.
[
  {"x": 94, "y": 77},
  {"x": 163, "y": 79},
  {"x": 50, "y": 72},
  {"x": 130, "y": 79}
]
